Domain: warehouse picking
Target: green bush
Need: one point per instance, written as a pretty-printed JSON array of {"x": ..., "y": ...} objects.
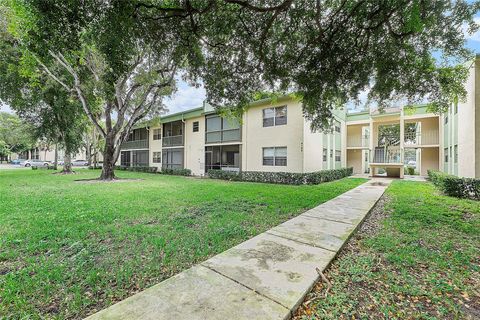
[
  {"x": 138, "y": 169},
  {"x": 282, "y": 177},
  {"x": 410, "y": 170},
  {"x": 176, "y": 172},
  {"x": 455, "y": 186}
]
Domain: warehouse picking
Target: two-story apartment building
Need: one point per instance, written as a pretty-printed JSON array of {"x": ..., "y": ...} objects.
[
  {"x": 273, "y": 135},
  {"x": 270, "y": 136}
]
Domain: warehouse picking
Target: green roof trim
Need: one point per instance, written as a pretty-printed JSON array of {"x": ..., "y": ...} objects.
[
  {"x": 358, "y": 116},
  {"x": 183, "y": 115}
]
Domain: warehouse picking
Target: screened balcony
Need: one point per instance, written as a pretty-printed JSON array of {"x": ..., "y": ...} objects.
[
  {"x": 222, "y": 158},
  {"x": 137, "y": 139},
  {"x": 173, "y": 134},
  {"x": 220, "y": 130}
]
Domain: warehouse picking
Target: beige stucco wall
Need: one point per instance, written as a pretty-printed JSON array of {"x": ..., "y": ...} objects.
[
  {"x": 194, "y": 151},
  {"x": 476, "y": 135},
  {"x": 154, "y": 146},
  {"x": 466, "y": 130},
  {"x": 354, "y": 159},
  {"x": 255, "y": 137},
  {"x": 429, "y": 160},
  {"x": 312, "y": 149}
]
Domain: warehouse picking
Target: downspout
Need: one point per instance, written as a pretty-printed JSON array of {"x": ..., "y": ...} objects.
[
  {"x": 148, "y": 147},
  {"x": 184, "y": 133}
]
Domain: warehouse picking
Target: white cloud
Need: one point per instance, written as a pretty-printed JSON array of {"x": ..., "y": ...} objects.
[
  {"x": 5, "y": 108},
  {"x": 474, "y": 36},
  {"x": 186, "y": 97}
]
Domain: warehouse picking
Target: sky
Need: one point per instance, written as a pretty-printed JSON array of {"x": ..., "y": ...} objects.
[{"x": 188, "y": 97}]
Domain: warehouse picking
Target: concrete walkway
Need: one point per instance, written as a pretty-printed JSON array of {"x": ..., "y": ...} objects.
[{"x": 266, "y": 277}]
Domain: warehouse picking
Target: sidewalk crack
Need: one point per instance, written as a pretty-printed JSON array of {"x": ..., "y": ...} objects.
[
  {"x": 245, "y": 286},
  {"x": 298, "y": 241}
]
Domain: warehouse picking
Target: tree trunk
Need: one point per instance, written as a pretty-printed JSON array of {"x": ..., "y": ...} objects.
[
  {"x": 109, "y": 160},
  {"x": 88, "y": 154},
  {"x": 67, "y": 165},
  {"x": 55, "y": 162},
  {"x": 95, "y": 158}
]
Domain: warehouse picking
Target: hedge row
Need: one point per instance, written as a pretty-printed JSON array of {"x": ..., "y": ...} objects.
[
  {"x": 175, "y": 172},
  {"x": 282, "y": 177},
  {"x": 137, "y": 169},
  {"x": 455, "y": 186}
]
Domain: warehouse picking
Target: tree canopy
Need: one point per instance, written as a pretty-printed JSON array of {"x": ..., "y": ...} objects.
[
  {"x": 327, "y": 51},
  {"x": 15, "y": 134}
]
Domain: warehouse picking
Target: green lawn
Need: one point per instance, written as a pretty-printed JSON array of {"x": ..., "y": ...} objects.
[
  {"x": 417, "y": 259},
  {"x": 68, "y": 249}
]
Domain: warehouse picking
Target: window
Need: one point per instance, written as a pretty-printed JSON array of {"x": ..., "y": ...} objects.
[
  {"x": 275, "y": 156},
  {"x": 455, "y": 154},
  {"x": 446, "y": 119},
  {"x": 157, "y": 157},
  {"x": 220, "y": 129},
  {"x": 445, "y": 152},
  {"x": 338, "y": 155},
  {"x": 331, "y": 153},
  {"x": 324, "y": 154},
  {"x": 455, "y": 108},
  {"x": 275, "y": 116},
  {"x": 195, "y": 126},
  {"x": 337, "y": 126},
  {"x": 157, "y": 134}
]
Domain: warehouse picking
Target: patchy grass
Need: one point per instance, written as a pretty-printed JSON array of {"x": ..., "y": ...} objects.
[
  {"x": 68, "y": 249},
  {"x": 416, "y": 257}
]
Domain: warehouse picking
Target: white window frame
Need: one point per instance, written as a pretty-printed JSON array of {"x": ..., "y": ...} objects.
[
  {"x": 274, "y": 117},
  {"x": 157, "y": 157},
  {"x": 157, "y": 134},
  {"x": 275, "y": 157},
  {"x": 338, "y": 155}
]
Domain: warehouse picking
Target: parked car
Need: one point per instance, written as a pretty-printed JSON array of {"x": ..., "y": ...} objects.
[
  {"x": 17, "y": 161},
  {"x": 80, "y": 163},
  {"x": 412, "y": 163},
  {"x": 34, "y": 162}
]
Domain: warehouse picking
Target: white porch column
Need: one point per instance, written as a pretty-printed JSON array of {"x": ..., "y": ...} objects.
[
  {"x": 402, "y": 134},
  {"x": 370, "y": 147}
]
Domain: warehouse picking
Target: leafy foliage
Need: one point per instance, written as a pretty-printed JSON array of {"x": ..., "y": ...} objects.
[
  {"x": 15, "y": 134},
  {"x": 455, "y": 186},
  {"x": 282, "y": 177},
  {"x": 176, "y": 172},
  {"x": 138, "y": 169},
  {"x": 326, "y": 51},
  {"x": 98, "y": 54}
]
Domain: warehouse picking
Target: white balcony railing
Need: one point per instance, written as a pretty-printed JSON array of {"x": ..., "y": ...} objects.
[
  {"x": 385, "y": 155},
  {"x": 138, "y": 144},
  {"x": 172, "y": 141},
  {"x": 427, "y": 137},
  {"x": 358, "y": 141}
]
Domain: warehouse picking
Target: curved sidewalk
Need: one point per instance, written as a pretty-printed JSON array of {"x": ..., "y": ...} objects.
[{"x": 265, "y": 277}]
